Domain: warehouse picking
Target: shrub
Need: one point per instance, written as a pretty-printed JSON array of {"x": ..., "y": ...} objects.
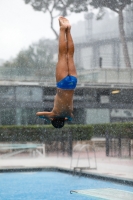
[
  {"x": 114, "y": 129},
  {"x": 45, "y": 133}
]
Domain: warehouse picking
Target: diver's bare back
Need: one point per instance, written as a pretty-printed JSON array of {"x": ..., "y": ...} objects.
[{"x": 63, "y": 103}]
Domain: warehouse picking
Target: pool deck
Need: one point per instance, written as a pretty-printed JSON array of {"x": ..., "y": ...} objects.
[{"x": 118, "y": 168}]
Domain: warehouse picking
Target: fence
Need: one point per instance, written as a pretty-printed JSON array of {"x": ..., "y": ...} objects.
[
  {"x": 106, "y": 76},
  {"x": 119, "y": 146}
]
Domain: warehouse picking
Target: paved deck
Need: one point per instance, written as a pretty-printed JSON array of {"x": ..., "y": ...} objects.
[{"x": 121, "y": 168}]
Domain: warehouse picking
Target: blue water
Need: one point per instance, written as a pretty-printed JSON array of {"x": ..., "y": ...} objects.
[{"x": 49, "y": 186}]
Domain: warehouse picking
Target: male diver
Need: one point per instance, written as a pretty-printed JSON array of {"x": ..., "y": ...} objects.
[{"x": 66, "y": 78}]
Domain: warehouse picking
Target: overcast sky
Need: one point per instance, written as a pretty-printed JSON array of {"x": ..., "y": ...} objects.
[{"x": 20, "y": 26}]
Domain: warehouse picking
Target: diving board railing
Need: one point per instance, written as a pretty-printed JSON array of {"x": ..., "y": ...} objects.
[
  {"x": 80, "y": 148},
  {"x": 106, "y": 193},
  {"x": 14, "y": 149}
]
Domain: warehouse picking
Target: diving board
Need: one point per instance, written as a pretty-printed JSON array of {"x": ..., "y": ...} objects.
[
  {"x": 20, "y": 148},
  {"x": 106, "y": 193}
]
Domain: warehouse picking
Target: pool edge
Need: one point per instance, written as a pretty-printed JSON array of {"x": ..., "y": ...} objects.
[{"x": 124, "y": 181}]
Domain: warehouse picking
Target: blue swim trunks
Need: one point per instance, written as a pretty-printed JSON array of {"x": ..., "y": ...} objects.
[{"x": 67, "y": 83}]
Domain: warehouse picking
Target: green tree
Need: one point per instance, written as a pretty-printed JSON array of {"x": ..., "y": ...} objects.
[
  {"x": 57, "y": 8},
  {"x": 37, "y": 61},
  {"x": 23, "y": 62},
  {"x": 43, "y": 56},
  {"x": 118, "y": 7}
]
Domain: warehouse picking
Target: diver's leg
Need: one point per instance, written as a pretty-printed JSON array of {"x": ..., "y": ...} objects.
[
  {"x": 70, "y": 53},
  {"x": 62, "y": 66}
]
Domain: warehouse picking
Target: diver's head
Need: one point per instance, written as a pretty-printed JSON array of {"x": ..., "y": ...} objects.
[{"x": 58, "y": 122}]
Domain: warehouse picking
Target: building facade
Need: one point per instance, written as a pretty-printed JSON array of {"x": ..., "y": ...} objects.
[{"x": 92, "y": 103}]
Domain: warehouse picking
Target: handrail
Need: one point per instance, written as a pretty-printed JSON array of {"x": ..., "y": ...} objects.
[{"x": 86, "y": 147}]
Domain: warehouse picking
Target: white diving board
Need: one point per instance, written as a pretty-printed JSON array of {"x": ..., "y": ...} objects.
[
  {"x": 20, "y": 148},
  {"x": 106, "y": 193}
]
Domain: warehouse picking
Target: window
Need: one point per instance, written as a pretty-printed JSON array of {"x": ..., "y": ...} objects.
[
  {"x": 28, "y": 94},
  {"x": 7, "y": 116},
  {"x": 7, "y": 93}
]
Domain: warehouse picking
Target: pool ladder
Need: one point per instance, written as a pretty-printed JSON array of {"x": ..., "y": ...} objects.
[{"x": 80, "y": 148}]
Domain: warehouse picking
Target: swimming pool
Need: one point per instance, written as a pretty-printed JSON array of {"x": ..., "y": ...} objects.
[{"x": 49, "y": 185}]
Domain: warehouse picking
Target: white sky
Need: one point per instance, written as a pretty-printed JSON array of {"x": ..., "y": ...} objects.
[{"x": 20, "y": 26}]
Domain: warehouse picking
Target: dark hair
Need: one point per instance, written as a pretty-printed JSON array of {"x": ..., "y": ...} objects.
[{"x": 58, "y": 122}]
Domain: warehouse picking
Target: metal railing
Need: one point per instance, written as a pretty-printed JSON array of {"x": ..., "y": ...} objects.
[
  {"x": 122, "y": 76},
  {"x": 88, "y": 148},
  {"x": 96, "y": 75}
]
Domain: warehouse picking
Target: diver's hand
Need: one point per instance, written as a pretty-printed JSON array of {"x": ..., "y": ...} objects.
[{"x": 45, "y": 118}]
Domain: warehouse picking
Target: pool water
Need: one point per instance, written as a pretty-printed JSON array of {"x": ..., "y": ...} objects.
[{"x": 49, "y": 186}]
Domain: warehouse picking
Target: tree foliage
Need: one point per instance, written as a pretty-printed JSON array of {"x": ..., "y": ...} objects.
[
  {"x": 114, "y": 5},
  {"x": 37, "y": 60},
  {"x": 57, "y": 8},
  {"x": 118, "y": 7}
]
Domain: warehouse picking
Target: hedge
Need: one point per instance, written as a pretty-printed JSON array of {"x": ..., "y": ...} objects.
[
  {"x": 114, "y": 129},
  {"x": 44, "y": 133},
  {"x": 76, "y": 132}
]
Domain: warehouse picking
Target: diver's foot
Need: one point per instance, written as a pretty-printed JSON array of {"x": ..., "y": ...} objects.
[
  {"x": 65, "y": 22},
  {"x": 62, "y": 23}
]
